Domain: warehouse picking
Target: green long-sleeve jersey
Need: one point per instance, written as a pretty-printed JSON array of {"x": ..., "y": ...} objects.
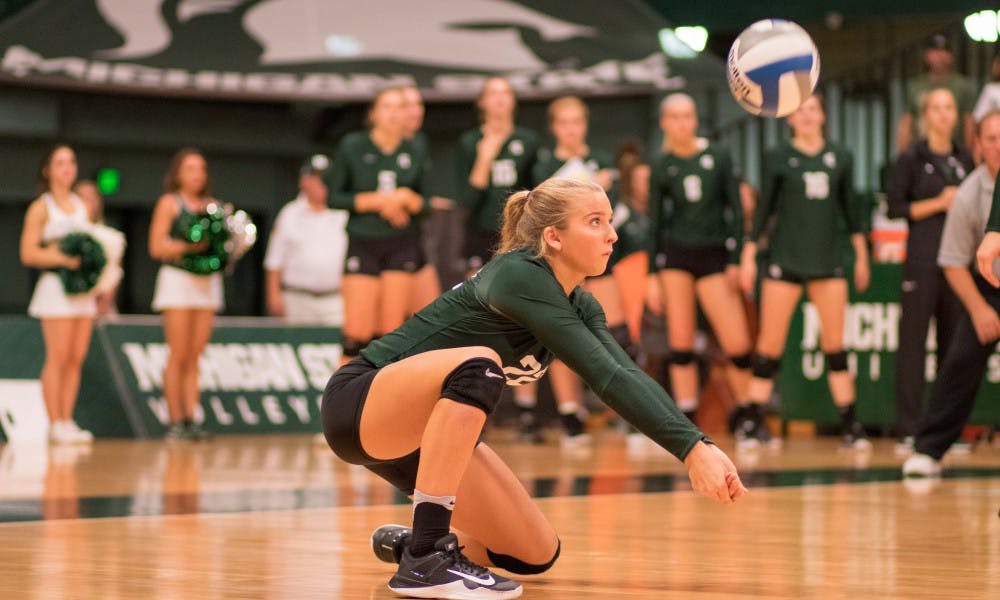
[
  {"x": 695, "y": 201},
  {"x": 360, "y": 166},
  {"x": 510, "y": 171},
  {"x": 806, "y": 195},
  {"x": 515, "y": 306}
]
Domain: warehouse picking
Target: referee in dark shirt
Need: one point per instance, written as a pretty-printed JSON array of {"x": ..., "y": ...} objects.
[{"x": 924, "y": 180}]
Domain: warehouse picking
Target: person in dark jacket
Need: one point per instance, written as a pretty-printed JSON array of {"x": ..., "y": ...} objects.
[{"x": 923, "y": 184}]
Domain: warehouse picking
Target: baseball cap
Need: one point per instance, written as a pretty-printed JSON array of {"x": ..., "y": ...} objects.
[
  {"x": 938, "y": 41},
  {"x": 317, "y": 164}
]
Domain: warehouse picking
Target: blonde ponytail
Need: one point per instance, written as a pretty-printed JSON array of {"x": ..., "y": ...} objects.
[{"x": 528, "y": 213}]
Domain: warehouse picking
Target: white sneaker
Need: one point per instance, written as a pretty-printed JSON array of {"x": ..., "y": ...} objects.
[
  {"x": 59, "y": 434},
  {"x": 921, "y": 465},
  {"x": 960, "y": 448},
  {"x": 81, "y": 436}
]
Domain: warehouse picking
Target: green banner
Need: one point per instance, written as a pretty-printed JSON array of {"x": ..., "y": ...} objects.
[
  {"x": 256, "y": 375},
  {"x": 871, "y": 338}
]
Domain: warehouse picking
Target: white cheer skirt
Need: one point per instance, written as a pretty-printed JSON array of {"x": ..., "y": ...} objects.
[
  {"x": 177, "y": 288},
  {"x": 50, "y": 301}
]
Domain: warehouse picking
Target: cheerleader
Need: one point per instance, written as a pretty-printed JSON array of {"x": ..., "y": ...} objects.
[
  {"x": 67, "y": 320},
  {"x": 187, "y": 300}
]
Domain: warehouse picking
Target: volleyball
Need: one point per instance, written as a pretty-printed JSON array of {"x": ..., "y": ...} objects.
[{"x": 773, "y": 68}]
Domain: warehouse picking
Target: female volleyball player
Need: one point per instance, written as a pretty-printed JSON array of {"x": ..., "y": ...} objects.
[
  {"x": 806, "y": 185},
  {"x": 67, "y": 320},
  {"x": 426, "y": 283},
  {"x": 573, "y": 158},
  {"x": 380, "y": 177},
  {"x": 696, "y": 226},
  {"x": 188, "y": 300},
  {"x": 412, "y": 407},
  {"x": 495, "y": 159}
]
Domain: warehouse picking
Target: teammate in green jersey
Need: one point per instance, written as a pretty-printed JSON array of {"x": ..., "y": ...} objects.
[
  {"x": 379, "y": 177},
  {"x": 806, "y": 185},
  {"x": 412, "y": 407},
  {"x": 573, "y": 158},
  {"x": 696, "y": 222},
  {"x": 494, "y": 159},
  {"x": 426, "y": 283}
]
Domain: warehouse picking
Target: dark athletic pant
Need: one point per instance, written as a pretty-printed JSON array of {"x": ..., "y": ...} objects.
[
  {"x": 932, "y": 296},
  {"x": 958, "y": 380}
]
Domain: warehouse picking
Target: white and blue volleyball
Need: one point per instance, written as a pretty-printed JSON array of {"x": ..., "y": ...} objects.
[{"x": 773, "y": 68}]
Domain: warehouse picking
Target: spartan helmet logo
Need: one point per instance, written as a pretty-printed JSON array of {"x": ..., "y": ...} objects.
[
  {"x": 473, "y": 34},
  {"x": 516, "y": 147},
  {"x": 830, "y": 160},
  {"x": 707, "y": 162}
]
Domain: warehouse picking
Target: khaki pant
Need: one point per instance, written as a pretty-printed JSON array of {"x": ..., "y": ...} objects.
[{"x": 306, "y": 309}]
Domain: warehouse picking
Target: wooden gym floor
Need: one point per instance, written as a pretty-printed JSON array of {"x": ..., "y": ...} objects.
[{"x": 281, "y": 517}]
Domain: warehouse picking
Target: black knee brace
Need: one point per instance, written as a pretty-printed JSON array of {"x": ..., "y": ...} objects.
[
  {"x": 681, "y": 357},
  {"x": 352, "y": 346},
  {"x": 621, "y": 335},
  {"x": 519, "y": 567},
  {"x": 743, "y": 361},
  {"x": 476, "y": 382},
  {"x": 765, "y": 367},
  {"x": 836, "y": 361}
]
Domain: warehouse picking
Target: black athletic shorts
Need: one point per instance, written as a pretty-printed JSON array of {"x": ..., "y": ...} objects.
[
  {"x": 371, "y": 256},
  {"x": 699, "y": 261},
  {"x": 343, "y": 400},
  {"x": 479, "y": 247},
  {"x": 779, "y": 273}
]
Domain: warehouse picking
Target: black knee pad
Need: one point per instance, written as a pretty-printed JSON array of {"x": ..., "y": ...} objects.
[
  {"x": 476, "y": 382},
  {"x": 765, "y": 367},
  {"x": 836, "y": 361},
  {"x": 621, "y": 335},
  {"x": 743, "y": 361},
  {"x": 352, "y": 346},
  {"x": 681, "y": 357},
  {"x": 519, "y": 567}
]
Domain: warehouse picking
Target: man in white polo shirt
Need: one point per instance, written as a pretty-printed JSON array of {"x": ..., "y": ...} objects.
[{"x": 305, "y": 255}]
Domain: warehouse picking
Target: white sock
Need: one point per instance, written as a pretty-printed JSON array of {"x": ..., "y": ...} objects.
[
  {"x": 445, "y": 501},
  {"x": 570, "y": 408}
]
